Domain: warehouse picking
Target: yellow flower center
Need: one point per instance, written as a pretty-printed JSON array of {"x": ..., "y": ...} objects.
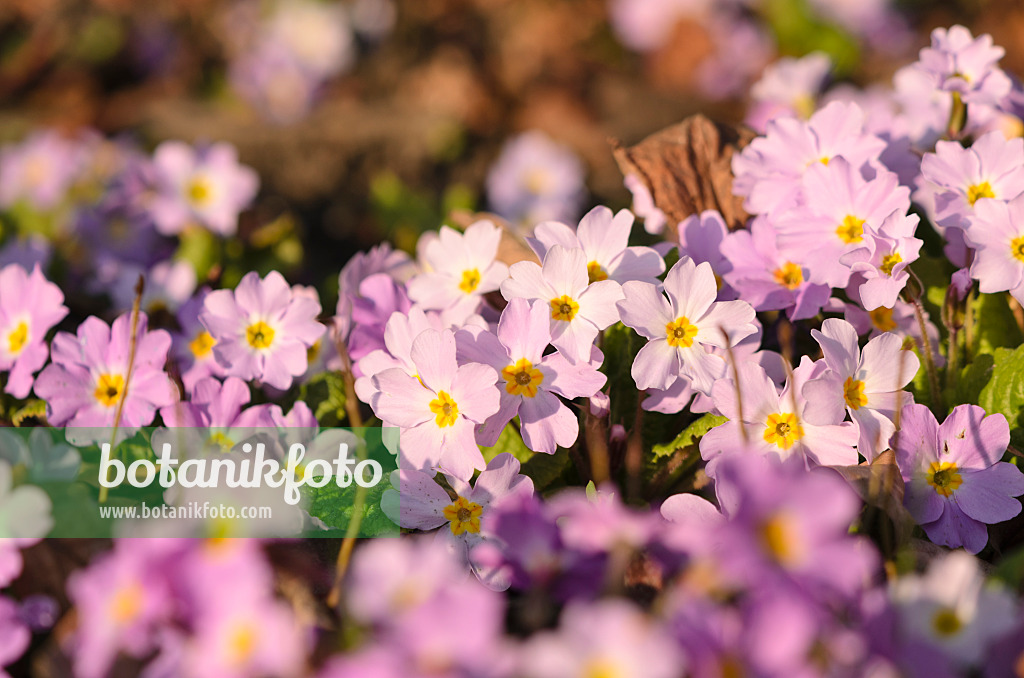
[
  {"x": 789, "y": 276},
  {"x": 889, "y": 261},
  {"x": 853, "y": 393},
  {"x": 778, "y": 539},
  {"x": 470, "y": 280},
  {"x": 17, "y": 339},
  {"x": 242, "y": 642},
  {"x": 944, "y": 477},
  {"x": 445, "y": 408},
  {"x": 881, "y": 318},
  {"x": 463, "y": 516},
  {"x": 782, "y": 429},
  {"x": 522, "y": 378},
  {"x": 596, "y": 272},
  {"x": 680, "y": 332},
  {"x": 259, "y": 335},
  {"x": 219, "y": 439},
  {"x": 1017, "y": 248},
  {"x": 851, "y": 230},
  {"x": 946, "y": 622},
  {"x": 202, "y": 344},
  {"x": 313, "y": 352},
  {"x": 126, "y": 604},
  {"x": 564, "y": 308},
  {"x": 536, "y": 181},
  {"x": 198, "y": 191},
  {"x": 109, "y": 388},
  {"x": 978, "y": 191},
  {"x": 602, "y": 668}
]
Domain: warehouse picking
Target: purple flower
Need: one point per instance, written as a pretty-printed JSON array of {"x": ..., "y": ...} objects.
[
  {"x": 459, "y": 268},
  {"x": 205, "y": 186},
  {"x": 788, "y": 87},
  {"x": 959, "y": 62},
  {"x": 701, "y": 237},
  {"x": 530, "y": 380},
  {"x": 774, "y": 423},
  {"x": 40, "y": 170},
  {"x": 956, "y": 483},
  {"x": 419, "y": 503},
  {"x": 579, "y": 309},
  {"x": 992, "y": 167},
  {"x": 88, "y": 378},
  {"x": 604, "y": 239},
  {"x": 29, "y": 308},
  {"x": 643, "y": 205},
  {"x": 840, "y": 207},
  {"x": 605, "y": 638},
  {"x": 953, "y": 610},
  {"x": 438, "y": 409},
  {"x": 535, "y": 179},
  {"x": 682, "y": 329},
  {"x": 882, "y": 263},
  {"x": 997, "y": 234},
  {"x": 865, "y": 383},
  {"x": 263, "y": 329},
  {"x": 192, "y": 347},
  {"x": 765, "y": 278},
  {"x": 24, "y": 519},
  {"x": 14, "y": 634}
]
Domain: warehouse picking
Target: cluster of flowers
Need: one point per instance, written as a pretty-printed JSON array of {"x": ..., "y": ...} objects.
[{"x": 457, "y": 349}]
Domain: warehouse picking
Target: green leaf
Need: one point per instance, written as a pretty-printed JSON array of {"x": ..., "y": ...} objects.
[
  {"x": 996, "y": 325},
  {"x": 325, "y": 395},
  {"x": 509, "y": 441},
  {"x": 973, "y": 379},
  {"x": 591, "y": 491},
  {"x": 620, "y": 346},
  {"x": 1004, "y": 392},
  {"x": 690, "y": 435},
  {"x": 33, "y": 409},
  {"x": 545, "y": 469}
]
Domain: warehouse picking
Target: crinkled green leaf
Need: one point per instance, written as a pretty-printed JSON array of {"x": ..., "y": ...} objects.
[
  {"x": 1004, "y": 392},
  {"x": 689, "y": 436},
  {"x": 509, "y": 441}
]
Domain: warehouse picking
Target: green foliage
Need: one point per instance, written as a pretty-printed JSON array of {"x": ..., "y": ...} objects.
[
  {"x": 799, "y": 31},
  {"x": 32, "y": 410},
  {"x": 996, "y": 326},
  {"x": 546, "y": 469},
  {"x": 335, "y": 505},
  {"x": 509, "y": 441},
  {"x": 620, "y": 346},
  {"x": 691, "y": 435},
  {"x": 1004, "y": 392},
  {"x": 325, "y": 395}
]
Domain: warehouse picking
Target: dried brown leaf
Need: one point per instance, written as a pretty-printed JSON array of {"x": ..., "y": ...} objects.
[{"x": 688, "y": 169}]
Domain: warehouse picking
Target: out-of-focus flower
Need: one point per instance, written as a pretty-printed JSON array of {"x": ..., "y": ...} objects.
[
  {"x": 529, "y": 380},
  {"x": 607, "y": 638},
  {"x": 419, "y": 503},
  {"x": 682, "y": 329},
  {"x": 88, "y": 378},
  {"x": 24, "y": 519},
  {"x": 168, "y": 285},
  {"x": 205, "y": 186},
  {"x": 29, "y": 307},
  {"x": 439, "y": 408},
  {"x": 865, "y": 383},
  {"x": 459, "y": 269},
  {"x": 44, "y": 459},
  {"x": 14, "y": 634},
  {"x": 604, "y": 239},
  {"x": 953, "y": 609},
  {"x": 536, "y": 179},
  {"x": 263, "y": 329},
  {"x": 579, "y": 309},
  {"x": 959, "y": 62},
  {"x": 956, "y": 483},
  {"x": 40, "y": 170},
  {"x": 193, "y": 346},
  {"x": 788, "y": 87}
]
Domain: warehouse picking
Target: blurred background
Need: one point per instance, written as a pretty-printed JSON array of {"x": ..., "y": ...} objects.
[{"x": 369, "y": 120}]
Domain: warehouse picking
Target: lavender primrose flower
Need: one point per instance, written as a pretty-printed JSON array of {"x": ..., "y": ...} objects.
[
  {"x": 14, "y": 634},
  {"x": 24, "y": 519},
  {"x": 459, "y": 269},
  {"x": 604, "y": 239},
  {"x": 956, "y": 483},
  {"x": 192, "y": 347},
  {"x": 417, "y": 502},
  {"x": 29, "y": 308},
  {"x": 529, "y": 380},
  {"x": 40, "y": 170},
  {"x": 205, "y": 186},
  {"x": 439, "y": 408},
  {"x": 579, "y": 309},
  {"x": 788, "y": 87},
  {"x": 882, "y": 263},
  {"x": 87, "y": 380},
  {"x": 263, "y": 329},
  {"x": 682, "y": 329},
  {"x": 867, "y": 383},
  {"x": 960, "y": 63},
  {"x": 997, "y": 234}
]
